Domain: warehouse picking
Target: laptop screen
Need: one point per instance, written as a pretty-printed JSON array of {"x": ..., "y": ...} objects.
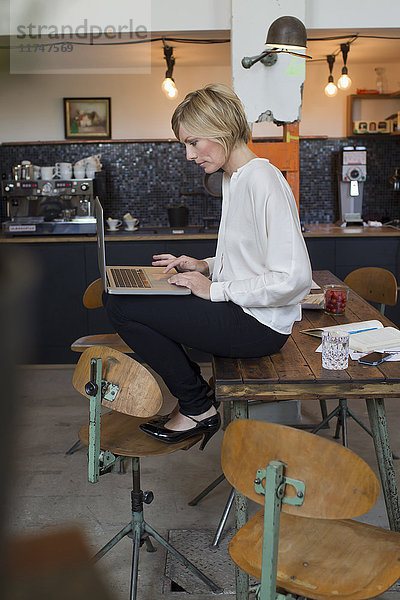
[{"x": 101, "y": 251}]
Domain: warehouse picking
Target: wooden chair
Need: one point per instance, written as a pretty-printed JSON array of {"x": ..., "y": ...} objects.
[
  {"x": 116, "y": 381},
  {"x": 92, "y": 298},
  {"x": 374, "y": 284},
  {"x": 311, "y": 489}
]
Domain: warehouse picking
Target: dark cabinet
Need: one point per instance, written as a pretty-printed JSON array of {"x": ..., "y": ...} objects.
[
  {"x": 65, "y": 269},
  {"x": 63, "y": 272},
  {"x": 322, "y": 253},
  {"x": 57, "y": 313},
  {"x": 343, "y": 255},
  {"x": 196, "y": 248}
]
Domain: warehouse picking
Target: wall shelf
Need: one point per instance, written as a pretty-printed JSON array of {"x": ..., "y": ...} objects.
[{"x": 354, "y": 105}]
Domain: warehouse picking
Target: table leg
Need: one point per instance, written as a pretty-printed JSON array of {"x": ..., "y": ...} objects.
[
  {"x": 240, "y": 411},
  {"x": 226, "y": 414},
  {"x": 380, "y": 434}
]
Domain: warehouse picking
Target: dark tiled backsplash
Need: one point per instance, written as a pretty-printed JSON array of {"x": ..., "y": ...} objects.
[
  {"x": 146, "y": 177},
  {"x": 142, "y": 178},
  {"x": 319, "y": 181}
]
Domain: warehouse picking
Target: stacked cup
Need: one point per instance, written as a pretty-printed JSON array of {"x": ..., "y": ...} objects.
[
  {"x": 48, "y": 172},
  {"x": 79, "y": 169},
  {"x": 63, "y": 170},
  {"x": 93, "y": 165},
  {"x": 130, "y": 222}
]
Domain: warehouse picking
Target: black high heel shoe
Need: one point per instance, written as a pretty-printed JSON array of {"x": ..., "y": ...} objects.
[
  {"x": 162, "y": 419},
  {"x": 207, "y": 427}
]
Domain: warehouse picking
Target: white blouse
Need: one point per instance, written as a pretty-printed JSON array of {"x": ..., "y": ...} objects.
[{"x": 261, "y": 262}]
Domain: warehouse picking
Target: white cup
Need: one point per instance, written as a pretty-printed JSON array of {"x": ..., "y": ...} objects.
[
  {"x": 130, "y": 224},
  {"x": 79, "y": 172},
  {"x": 113, "y": 224},
  {"x": 64, "y": 170},
  {"x": 36, "y": 172},
  {"x": 48, "y": 172},
  {"x": 90, "y": 171},
  {"x": 94, "y": 161}
]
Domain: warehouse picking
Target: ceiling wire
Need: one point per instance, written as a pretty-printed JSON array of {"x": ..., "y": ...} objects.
[
  {"x": 359, "y": 35},
  {"x": 338, "y": 50},
  {"x": 199, "y": 41},
  {"x": 123, "y": 43}
]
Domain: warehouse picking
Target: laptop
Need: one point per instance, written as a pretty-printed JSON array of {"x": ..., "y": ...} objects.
[{"x": 131, "y": 280}]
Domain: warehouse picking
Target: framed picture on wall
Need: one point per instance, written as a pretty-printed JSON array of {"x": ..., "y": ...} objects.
[{"x": 87, "y": 118}]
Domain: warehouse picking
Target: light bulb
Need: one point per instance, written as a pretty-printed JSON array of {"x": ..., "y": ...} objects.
[
  {"x": 330, "y": 89},
  {"x": 344, "y": 82},
  {"x": 169, "y": 88}
]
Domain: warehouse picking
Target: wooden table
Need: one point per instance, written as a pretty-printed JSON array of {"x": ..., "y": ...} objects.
[{"x": 296, "y": 373}]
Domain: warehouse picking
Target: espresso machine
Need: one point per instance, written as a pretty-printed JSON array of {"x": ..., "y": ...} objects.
[
  {"x": 352, "y": 173},
  {"x": 48, "y": 207}
]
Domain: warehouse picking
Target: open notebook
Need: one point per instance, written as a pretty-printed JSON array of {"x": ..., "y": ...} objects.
[{"x": 365, "y": 336}]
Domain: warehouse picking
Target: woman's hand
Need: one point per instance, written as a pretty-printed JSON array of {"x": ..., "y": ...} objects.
[
  {"x": 196, "y": 282},
  {"x": 182, "y": 264}
]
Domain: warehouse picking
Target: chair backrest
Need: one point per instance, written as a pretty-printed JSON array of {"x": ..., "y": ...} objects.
[
  {"x": 338, "y": 483},
  {"x": 139, "y": 394},
  {"x": 92, "y": 298},
  {"x": 374, "y": 284}
]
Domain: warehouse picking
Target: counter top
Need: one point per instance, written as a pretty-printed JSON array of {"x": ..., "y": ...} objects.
[
  {"x": 311, "y": 231},
  {"x": 114, "y": 237},
  {"x": 331, "y": 230}
]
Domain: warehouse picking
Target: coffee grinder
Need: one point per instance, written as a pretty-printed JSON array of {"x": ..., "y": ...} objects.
[{"x": 352, "y": 173}]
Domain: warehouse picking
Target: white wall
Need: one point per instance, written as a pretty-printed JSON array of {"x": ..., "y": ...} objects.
[
  {"x": 31, "y": 106},
  {"x": 351, "y": 14}
]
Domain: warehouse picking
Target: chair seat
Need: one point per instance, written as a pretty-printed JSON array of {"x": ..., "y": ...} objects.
[
  {"x": 112, "y": 340},
  {"x": 121, "y": 435},
  {"x": 314, "y": 555}
]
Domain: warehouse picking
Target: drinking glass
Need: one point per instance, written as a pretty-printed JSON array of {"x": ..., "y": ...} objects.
[{"x": 335, "y": 350}]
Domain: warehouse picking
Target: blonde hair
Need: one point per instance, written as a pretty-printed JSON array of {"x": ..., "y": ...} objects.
[{"x": 213, "y": 112}]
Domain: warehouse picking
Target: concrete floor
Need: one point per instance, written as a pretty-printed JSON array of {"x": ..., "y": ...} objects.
[{"x": 51, "y": 488}]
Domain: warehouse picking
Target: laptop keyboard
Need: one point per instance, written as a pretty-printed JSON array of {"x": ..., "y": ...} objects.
[{"x": 130, "y": 278}]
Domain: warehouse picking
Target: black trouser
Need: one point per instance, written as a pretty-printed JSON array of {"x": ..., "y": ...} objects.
[{"x": 157, "y": 328}]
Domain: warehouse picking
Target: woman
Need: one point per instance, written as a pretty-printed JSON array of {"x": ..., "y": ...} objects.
[{"x": 245, "y": 300}]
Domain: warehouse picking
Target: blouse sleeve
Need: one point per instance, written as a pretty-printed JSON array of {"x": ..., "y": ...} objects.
[{"x": 210, "y": 261}]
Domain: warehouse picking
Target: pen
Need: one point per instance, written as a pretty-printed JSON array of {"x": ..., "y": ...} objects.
[{"x": 362, "y": 330}]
